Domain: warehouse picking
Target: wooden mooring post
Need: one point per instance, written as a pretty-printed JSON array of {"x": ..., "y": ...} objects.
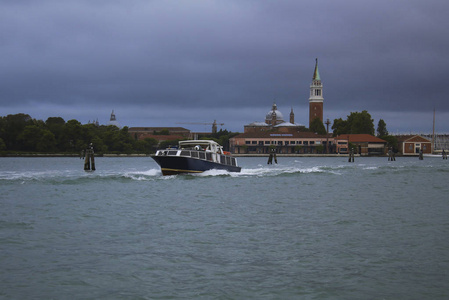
[
  {"x": 89, "y": 159},
  {"x": 391, "y": 156},
  {"x": 351, "y": 155},
  {"x": 272, "y": 155}
]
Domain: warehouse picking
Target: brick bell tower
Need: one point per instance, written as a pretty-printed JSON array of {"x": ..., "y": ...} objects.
[{"x": 316, "y": 96}]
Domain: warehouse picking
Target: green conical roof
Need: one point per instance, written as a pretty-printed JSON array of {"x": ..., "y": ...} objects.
[{"x": 316, "y": 74}]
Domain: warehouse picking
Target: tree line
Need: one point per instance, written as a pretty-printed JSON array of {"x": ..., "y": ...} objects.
[
  {"x": 362, "y": 123},
  {"x": 21, "y": 133}
]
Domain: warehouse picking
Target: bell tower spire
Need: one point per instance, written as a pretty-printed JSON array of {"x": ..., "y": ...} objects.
[{"x": 316, "y": 96}]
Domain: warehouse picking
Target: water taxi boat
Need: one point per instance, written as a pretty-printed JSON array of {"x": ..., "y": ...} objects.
[{"x": 195, "y": 156}]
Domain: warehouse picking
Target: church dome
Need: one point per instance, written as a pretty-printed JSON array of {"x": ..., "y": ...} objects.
[{"x": 274, "y": 112}]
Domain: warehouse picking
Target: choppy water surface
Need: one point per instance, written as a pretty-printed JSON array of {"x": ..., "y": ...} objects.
[{"x": 307, "y": 228}]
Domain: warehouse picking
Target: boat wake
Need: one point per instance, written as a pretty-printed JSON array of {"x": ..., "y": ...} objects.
[
  {"x": 74, "y": 176},
  {"x": 263, "y": 171},
  {"x": 294, "y": 168}
]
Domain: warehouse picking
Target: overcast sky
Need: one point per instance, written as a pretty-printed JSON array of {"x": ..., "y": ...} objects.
[{"x": 161, "y": 63}]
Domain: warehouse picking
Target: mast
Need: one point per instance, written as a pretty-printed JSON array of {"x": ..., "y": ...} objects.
[{"x": 433, "y": 132}]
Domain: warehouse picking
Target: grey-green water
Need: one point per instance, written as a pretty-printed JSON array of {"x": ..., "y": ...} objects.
[{"x": 307, "y": 228}]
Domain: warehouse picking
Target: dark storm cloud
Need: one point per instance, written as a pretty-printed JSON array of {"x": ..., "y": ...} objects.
[{"x": 163, "y": 62}]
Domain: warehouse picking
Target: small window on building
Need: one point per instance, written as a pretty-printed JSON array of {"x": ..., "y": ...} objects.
[
  {"x": 306, "y": 142},
  {"x": 254, "y": 142},
  {"x": 267, "y": 142},
  {"x": 247, "y": 142},
  {"x": 312, "y": 143}
]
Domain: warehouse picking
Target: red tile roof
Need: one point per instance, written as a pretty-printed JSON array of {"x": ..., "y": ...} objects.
[
  {"x": 412, "y": 138},
  {"x": 360, "y": 138}
]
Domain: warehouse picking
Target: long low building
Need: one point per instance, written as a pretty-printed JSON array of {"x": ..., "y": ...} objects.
[
  {"x": 292, "y": 142},
  {"x": 364, "y": 144},
  {"x": 160, "y": 133}
]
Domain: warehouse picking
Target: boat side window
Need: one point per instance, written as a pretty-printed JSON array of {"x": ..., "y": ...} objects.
[
  {"x": 222, "y": 159},
  {"x": 202, "y": 155},
  {"x": 194, "y": 154},
  {"x": 233, "y": 161},
  {"x": 208, "y": 156},
  {"x": 172, "y": 152},
  {"x": 185, "y": 153},
  {"x": 228, "y": 160}
]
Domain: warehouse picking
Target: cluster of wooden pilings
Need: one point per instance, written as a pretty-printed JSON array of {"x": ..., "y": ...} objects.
[
  {"x": 89, "y": 159},
  {"x": 272, "y": 156},
  {"x": 391, "y": 155}
]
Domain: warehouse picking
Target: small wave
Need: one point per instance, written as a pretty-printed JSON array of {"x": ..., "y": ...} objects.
[
  {"x": 370, "y": 168},
  {"x": 214, "y": 172},
  {"x": 142, "y": 176},
  {"x": 74, "y": 177},
  {"x": 33, "y": 175},
  {"x": 15, "y": 225}
]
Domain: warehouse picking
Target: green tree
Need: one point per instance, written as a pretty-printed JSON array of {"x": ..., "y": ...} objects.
[
  {"x": 34, "y": 138},
  {"x": 340, "y": 126},
  {"x": 2, "y": 145},
  {"x": 361, "y": 122},
  {"x": 392, "y": 142},
  {"x": 167, "y": 143},
  {"x": 73, "y": 136},
  {"x": 319, "y": 148},
  {"x": 13, "y": 127},
  {"x": 146, "y": 146},
  {"x": 382, "y": 128},
  {"x": 47, "y": 142},
  {"x": 56, "y": 126},
  {"x": 29, "y": 138},
  {"x": 356, "y": 123},
  {"x": 317, "y": 126}
]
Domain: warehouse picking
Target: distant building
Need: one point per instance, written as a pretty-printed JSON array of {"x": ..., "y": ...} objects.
[
  {"x": 413, "y": 144},
  {"x": 441, "y": 141},
  {"x": 286, "y": 137},
  {"x": 113, "y": 120},
  {"x": 365, "y": 144},
  {"x": 160, "y": 133},
  {"x": 96, "y": 123},
  {"x": 274, "y": 120},
  {"x": 287, "y": 143},
  {"x": 316, "y": 97}
]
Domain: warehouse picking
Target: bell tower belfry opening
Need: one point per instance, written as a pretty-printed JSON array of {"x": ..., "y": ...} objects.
[{"x": 316, "y": 96}]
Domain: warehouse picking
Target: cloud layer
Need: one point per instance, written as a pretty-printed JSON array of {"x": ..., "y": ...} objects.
[{"x": 159, "y": 63}]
